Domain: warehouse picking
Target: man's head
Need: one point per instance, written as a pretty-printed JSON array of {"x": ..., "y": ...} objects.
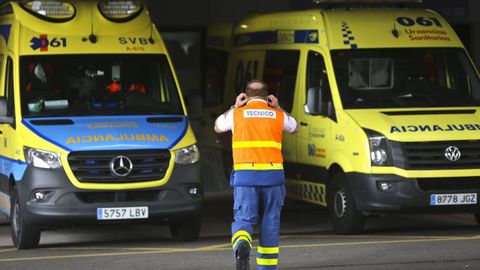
[{"x": 256, "y": 88}]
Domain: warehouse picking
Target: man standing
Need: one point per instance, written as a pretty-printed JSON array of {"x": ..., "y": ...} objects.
[{"x": 257, "y": 122}]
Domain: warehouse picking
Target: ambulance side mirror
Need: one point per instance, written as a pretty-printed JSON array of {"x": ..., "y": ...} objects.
[
  {"x": 316, "y": 103},
  {"x": 4, "y": 119},
  {"x": 313, "y": 102}
]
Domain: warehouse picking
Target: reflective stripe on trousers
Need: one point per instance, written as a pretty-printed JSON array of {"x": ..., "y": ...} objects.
[{"x": 267, "y": 257}]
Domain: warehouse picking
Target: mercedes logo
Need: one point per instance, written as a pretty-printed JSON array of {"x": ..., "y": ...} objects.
[
  {"x": 452, "y": 153},
  {"x": 121, "y": 166}
]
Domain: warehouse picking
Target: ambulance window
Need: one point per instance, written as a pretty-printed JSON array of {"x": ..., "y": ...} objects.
[
  {"x": 374, "y": 73},
  {"x": 216, "y": 65},
  {"x": 77, "y": 85},
  {"x": 405, "y": 78},
  {"x": 460, "y": 76},
  {"x": 9, "y": 87},
  {"x": 317, "y": 76},
  {"x": 317, "y": 73},
  {"x": 280, "y": 75},
  {"x": 1, "y": 64}
]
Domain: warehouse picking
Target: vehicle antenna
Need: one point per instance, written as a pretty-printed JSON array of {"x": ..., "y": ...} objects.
[
  {"x": 92, "y": 37},
  {"x": 395, "y": 32},
  {"x": 150, "y": 39}
]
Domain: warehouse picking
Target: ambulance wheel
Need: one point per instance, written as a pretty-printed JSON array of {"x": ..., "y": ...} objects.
[
  {"x": 345, "y": 218},
  {"x": 186, "y": 231},
  {"x": 24, "y": 235}
]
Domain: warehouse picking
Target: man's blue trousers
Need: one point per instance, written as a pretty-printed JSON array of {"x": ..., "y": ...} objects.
[{"x": 251, "y": 205}]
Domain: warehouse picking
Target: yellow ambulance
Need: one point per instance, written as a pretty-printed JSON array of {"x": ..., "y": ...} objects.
[
  {"x": 218, "y": 41},
  {"x": 93, "y": 127},
  {"x": 387, "y": 101}
]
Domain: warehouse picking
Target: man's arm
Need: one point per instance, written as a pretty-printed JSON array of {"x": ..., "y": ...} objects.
[
  {"x": 222, "y": 124},
  {"x": 289, "y": 124},
  {"x": 225, "y": 121}
]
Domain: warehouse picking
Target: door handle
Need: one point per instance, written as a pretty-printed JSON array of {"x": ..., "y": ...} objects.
[
  {"x": 1, "y": 132},
  {"x": 303, "y": 124}
]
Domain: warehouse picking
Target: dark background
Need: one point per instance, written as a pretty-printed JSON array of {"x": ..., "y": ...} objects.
[{"x": 184, "y": 23}]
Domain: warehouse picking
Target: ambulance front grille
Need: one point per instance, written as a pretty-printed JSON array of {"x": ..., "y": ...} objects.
[
  {"x": 431, "y": 155},
  {"x": 452, "y": 184},
  {"x": 95, "y": 166}
]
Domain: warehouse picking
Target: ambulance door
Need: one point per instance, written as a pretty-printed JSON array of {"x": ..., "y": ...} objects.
[
  {"x": 315, "y": 120},
  {"x": 7, "y": 129},
  {"x": 4, "y": 183},
  {"x": 280, "y": 74},
  {"x": 213, "y": 156}
]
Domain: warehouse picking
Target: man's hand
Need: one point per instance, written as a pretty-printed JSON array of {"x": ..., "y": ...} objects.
[
  {"x": 273, "y": 102},
  {"x": 222, "y": 124},
  {"x": 241, "y": 100}
]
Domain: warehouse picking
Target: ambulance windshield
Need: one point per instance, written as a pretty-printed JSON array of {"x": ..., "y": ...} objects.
[
  {"x": 401, "y": 78},
  {"x": 78, "y": 85}
]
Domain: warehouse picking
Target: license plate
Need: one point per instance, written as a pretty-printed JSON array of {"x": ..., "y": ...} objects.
[
  {"x": 122, "y": 213},
  {"x": 453, "y": 199}
]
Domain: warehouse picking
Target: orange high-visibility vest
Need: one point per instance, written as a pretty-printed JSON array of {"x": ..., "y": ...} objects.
[{"x": 257, "y": 137}]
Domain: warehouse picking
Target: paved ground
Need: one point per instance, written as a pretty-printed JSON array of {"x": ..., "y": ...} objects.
[{"x": 393, "y": 242}]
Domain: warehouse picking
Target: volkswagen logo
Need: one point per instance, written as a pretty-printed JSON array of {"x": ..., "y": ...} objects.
[
  {"x": 452, "y": 153},
  {"x": 121, "y": 166}
]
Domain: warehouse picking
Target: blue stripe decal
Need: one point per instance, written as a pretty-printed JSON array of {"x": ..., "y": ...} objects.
[
  {"x": 112, "y": 132},
  {"x": 185, "y": 128},
  {"x": 39, "y": 134},
  {"x": 348, "y": 37},
  {"x": 5, "y": 212},
  {"x": 277, "y": 37},
  {"x": 13, "y": 167},
  {"x": 5, "y": 31}
]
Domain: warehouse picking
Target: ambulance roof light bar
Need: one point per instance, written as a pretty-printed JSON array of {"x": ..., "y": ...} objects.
[
  {"x": 50, "y": 10},
  {"x": 120, "y": 11}
]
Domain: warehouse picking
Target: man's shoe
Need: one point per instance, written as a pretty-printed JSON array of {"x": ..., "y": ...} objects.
[{"x": 243, "y": 256}]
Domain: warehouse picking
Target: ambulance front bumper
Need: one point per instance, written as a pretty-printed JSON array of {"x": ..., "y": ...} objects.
[
  {"x": 63, "y": 204},
  {"x": 392, "y": 193}
]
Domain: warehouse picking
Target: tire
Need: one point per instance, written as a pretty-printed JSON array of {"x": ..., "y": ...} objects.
[
  {"x": 345, "y": 217},
  {"x": 24, "y": 235},
  {"x": 187, "y": 231}
]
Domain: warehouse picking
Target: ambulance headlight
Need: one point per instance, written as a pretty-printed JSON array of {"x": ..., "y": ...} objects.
[
  {"x": 187, "y": 155},
  {"x": 42, "y": 159},
  {"x": 50, "y": 10},
  {"x": 120, "y": 11},
  {"x": 380, "y": 152}
]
